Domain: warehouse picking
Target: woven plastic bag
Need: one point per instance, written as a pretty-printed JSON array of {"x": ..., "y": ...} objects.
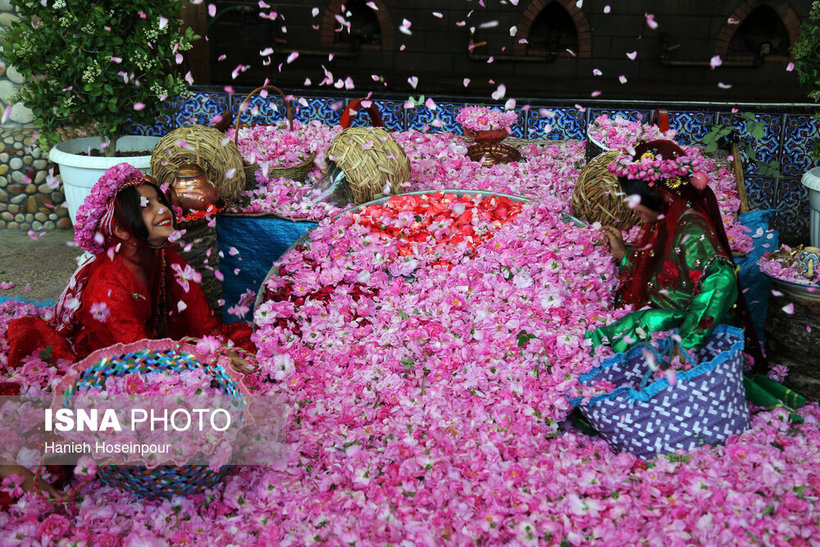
[{"x": 706, "y": 404}]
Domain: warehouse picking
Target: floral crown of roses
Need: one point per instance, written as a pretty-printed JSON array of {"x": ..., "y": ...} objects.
[
  {"x": 661, "y": 162},
  {"x": 95, "y": 216}
]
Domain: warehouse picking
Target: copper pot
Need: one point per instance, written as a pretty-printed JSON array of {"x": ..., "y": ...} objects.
[{"x": 194, "y": 191}]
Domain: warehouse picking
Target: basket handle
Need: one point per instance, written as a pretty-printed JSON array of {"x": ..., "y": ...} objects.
[
  {"x": 354, "y": 106},
  {"x": 238, "y": 123}
]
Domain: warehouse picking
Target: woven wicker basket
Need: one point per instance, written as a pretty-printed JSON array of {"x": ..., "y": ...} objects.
[
  {"x": 371, "y": 160},
  {"x": 205, "y": 147},
  {"x": 298, "y": 171},
  {"x": 598, "y": 196}
]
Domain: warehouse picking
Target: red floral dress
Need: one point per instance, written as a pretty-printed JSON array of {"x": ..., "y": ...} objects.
[{"x": 117, "y": 307}]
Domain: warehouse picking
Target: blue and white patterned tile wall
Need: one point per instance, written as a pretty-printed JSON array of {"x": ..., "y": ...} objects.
[{"x": 788, "y": 137}]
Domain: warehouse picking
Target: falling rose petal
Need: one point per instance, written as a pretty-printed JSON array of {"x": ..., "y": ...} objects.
[
  {"x": 402, "y": 47},
  {"x": 438, "y": 14},
  {"x": 579, "y": 4},
  {"x": 413, "y": 81},
  {"x": 27, "y": 288},
  {"x": 265, "y": 52},
  {"x": 622, "y": 79},
  {"x": 733, "y": 21},
  {"x": 466, "y": 82},
  {"x": 776, "y": 292},
  {"x": 236, "y": 271},
  {"x": 117, "y": 60},
  {"x": 178, "y": 58},
  {"x": 488, "y": 24},
  {"x": 789, "y": 308},
  {"x": 163, "y": 22},
  {"x": 6, "y": 114},
  {"x": 314, "y": 12},
  {"x": 6, "y": 285},
  {"x": 808, "y": 328},
  {"x": 632, "y": 55},
  {"x": 513, "y": 30},
  {"x": 632, "y": 200},
  {"x": 499, "y": 93},
  {"x": 211, "y": 10},
  {"x": 373, "y": 6},
  {"x": 183, "y": 144},
  {"x": 596, "y": 72},
  {"x": 143, "y": 201},
  {"x": 189, "y": 78},
  {"x": 99, "y": 239},
  {"x": 430, "y": 103},
  {"x": 607, "y": 9},
  {"x": 292, "y": 57},
  {"x": 721, "y": 85},
  {"x": 181, "y": 306},
  {"x": 307, "y": 82},
  {"x": 650, "y": 21},
  {"x": 139, "y": 106},
  {"x": 222, "y": 57},
  {"x": 580, "y": 108},
  {"x": 230, "y": 173},
  {"x": 33, "y": 235},
  {"x": 595, "y": 93},
  {"x": 715, "y": 62},
  {"x": 789, "y": 67},
  {"x": 571, "y": 52},
  {"x": 143, "y": 15},
  {"x": 671, "y": 377}
]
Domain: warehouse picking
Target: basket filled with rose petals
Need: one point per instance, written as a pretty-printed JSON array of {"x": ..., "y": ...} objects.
[
  {"x": 289, "y": 155},
  {"x": 152, "y": 390}
]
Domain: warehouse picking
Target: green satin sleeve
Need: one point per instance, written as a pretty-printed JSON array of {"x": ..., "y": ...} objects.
[
  {"x": 635, "y": 327},
  {"x": 711, "y": 304}
]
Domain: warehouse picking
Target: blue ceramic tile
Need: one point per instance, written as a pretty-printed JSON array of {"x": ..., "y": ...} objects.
[
  {"x": 200, "y": 108},
  {"x": 323, "y": 109},
  {"x": 556, "y": 123},
  {"x": 259, "y": 109},
  {"x": 421, "y": 118},
  {"x": 793, "y": 209},
  {"x": 798, "y": 134},
  {"x": 768, "y": 147},
  {"x": 761, "y": 192},
  {"x": 691, "y": 126}
]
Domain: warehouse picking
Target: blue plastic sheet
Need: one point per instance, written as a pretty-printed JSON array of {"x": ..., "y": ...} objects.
[
  {"x": 755, "y": 284},
  {"x": 248, "y": 248}
]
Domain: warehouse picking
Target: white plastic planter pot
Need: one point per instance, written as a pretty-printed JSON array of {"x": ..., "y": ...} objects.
[{"x": 80, "y": 172}]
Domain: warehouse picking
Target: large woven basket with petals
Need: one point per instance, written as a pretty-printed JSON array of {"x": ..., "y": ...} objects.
[
  {"x": 371, "y": 160},
  {"x": 598, "y": 196},
  {"x": 206, "y": 148}
]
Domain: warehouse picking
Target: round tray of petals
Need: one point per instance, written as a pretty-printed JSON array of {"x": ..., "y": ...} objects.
[{"x": 448, "y": 194}]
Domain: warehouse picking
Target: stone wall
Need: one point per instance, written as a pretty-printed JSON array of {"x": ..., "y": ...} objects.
[{"x": 29, "y": 198}]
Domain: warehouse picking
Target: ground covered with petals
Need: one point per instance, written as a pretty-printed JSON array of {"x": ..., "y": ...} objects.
[{"x": 424, "y": 350}]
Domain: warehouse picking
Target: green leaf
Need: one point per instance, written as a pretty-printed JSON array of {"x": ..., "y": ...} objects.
[
  {"x": 407, "y": 362},
  {"x": 524, "y": 337},
  {"x": 768, "y": 510}
]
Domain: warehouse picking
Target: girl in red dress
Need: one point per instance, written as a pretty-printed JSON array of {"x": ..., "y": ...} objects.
[{"x": 135, "y": 285}]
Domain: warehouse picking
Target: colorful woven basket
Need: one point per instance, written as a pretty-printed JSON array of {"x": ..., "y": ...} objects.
[
  {"x": 143, "y": 357},
  {"x": 705, "y": 405},
  {"x": 598, "y": 196}
]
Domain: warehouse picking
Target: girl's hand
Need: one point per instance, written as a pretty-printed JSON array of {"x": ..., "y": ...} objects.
[{"x": 616, "y": 242}]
